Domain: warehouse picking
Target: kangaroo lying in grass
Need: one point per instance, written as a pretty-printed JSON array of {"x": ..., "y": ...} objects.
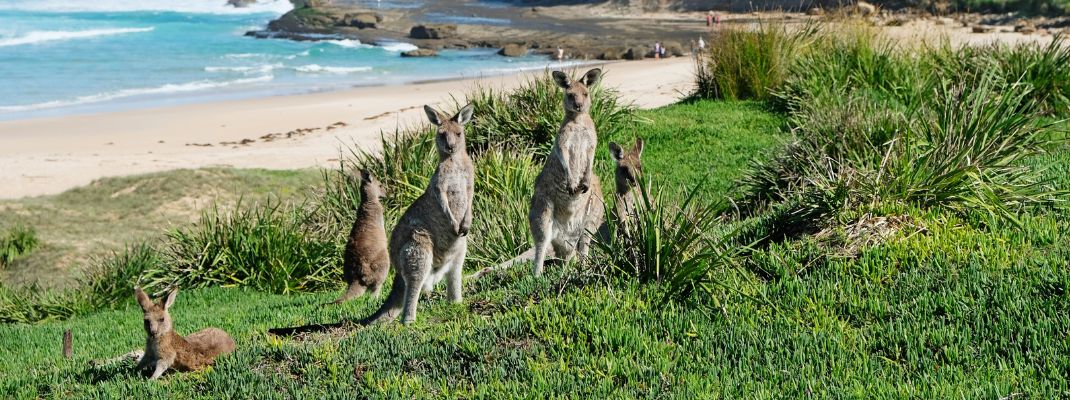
[
  {"x": 568, "y": 196},
  {"x": 165, "y": 349},
  {"x": 366, "y": 259},
  {"x": 429, "y": 240}
]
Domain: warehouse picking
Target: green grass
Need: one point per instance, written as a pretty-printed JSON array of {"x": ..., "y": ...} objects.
[
  {"x": 940, "y": 309},
  {"x": 89, "y": 222}
]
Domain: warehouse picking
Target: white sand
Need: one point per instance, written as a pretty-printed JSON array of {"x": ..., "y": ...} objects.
[{"x": 50, "y": 155}]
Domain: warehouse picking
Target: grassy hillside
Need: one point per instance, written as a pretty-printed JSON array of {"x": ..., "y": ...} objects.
[
  {"x": 946, "y": 312},
  {"x": 858, "y": 222},
  {"x": 91, "y": 221}
]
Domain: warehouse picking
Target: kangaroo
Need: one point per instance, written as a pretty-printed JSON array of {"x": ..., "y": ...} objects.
[
  {"x": 626, "y": 175},
  {"x": 568, "y": 196},
  {"x": 165, "y": 349},
  {"x": 429, "y": 241},
  {"x": 366, "y": 259}
]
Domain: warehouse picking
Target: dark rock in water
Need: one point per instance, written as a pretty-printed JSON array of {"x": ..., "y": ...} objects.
[
  {"x": 240, "y": 3},
  {"x": 436, "y": 31},
  {"x": 420, "y": 53},
  {"x": 673, "y": 49},
  {"x": 635, "y": 53},
  {"x": 362, "y": 20},
  {"x": 513, "y": 50},
  {"x": 323, "y": 20},
  {"x": 616, "y": 53}
]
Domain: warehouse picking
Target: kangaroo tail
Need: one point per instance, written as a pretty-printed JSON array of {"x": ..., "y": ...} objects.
[
  {"x": 355, "y": 289},
  {"x": 391, "y": 308},
  {"x": 526, "y": 256}
]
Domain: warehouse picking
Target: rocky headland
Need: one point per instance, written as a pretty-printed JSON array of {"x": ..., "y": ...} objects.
[{"x": 610, "y": 30}]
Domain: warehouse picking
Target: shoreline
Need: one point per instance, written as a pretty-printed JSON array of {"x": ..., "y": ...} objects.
[{"x": 49, "y": 155}]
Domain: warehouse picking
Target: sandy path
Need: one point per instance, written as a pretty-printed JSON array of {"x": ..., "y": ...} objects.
[{"x": 50, "y": 155}]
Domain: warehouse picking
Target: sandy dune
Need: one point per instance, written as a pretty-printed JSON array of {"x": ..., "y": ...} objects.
[{"x": 50, "y": 155}]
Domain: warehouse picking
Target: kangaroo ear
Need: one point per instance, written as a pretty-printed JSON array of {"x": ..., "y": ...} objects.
[
  {"x": 464, "y": 115},
  {"x": 142, "y": 299},
  {"x": 638, "y": 146},
  {"x": 592, "y": 77},
  {"x": 433, "y": 115},
  {"x": 616, "y": 151},
  {"x": 365, "y": 176},
  {"x": 562, "y": 79},
  {"x": 170, "y": 300}
]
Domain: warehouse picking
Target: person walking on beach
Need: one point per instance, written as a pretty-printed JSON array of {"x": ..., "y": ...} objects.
[
  {"x": 657, "y": 50},
  {"x": 560, "y": 53},
  {"x": 709, "y": 18}
]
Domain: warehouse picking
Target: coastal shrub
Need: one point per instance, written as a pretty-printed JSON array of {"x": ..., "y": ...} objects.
[
  {"x": 668, "y": 240},
  {"x": 404, "y": 166},
  {"x": 966, "y": 152},
  {"x": 18, "y": 241},
  {"x": 111, "y": 279},
  {"x": 505, "y": 183},
  {"x": 35, "y": 304},
  {"x": 270, "y": 247},
  {"x": 527, "y": 117},
  {"x": 740, "y": 63},
  {"x": 1045, "y": 68}
]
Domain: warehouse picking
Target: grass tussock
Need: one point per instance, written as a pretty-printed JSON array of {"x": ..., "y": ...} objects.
[
  {"x": 665, "y": 241},
  {"x": 16, "y": 242}
]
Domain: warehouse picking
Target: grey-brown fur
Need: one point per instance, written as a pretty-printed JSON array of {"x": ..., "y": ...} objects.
[
  {"x": 628, "y": 171},
  {"x": 567, "y": 204},
  {"x": 429, "y": 241},
  {"x": 367, "y": 261},
  {"x": 165, "y": 349},
  {"x": 629, "y": 168}
]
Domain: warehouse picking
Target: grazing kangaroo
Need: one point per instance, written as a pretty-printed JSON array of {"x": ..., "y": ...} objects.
[
  {"x": 429, "y": 240},
  {"x": 366, "y": 259},
  {"x": 568, "y": 196},
  {"x": 165, "y": 349}
]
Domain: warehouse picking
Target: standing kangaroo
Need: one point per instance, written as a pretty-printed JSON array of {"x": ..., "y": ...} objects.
[
  {"x": 629, "y": 170},
  {"x": 165, "y": 349},
  {"x": 366, "y": 259},
  {"x": 568, "y": 196},
  {"x": 429, "y": 240},
  {"x": 626, "y": 175}
]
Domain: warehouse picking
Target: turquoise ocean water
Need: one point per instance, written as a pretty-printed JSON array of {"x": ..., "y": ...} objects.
[{"x": 61, "y": 57}]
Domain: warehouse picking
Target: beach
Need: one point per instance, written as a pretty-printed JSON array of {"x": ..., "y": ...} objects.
[{"x": 49, "y": 155}]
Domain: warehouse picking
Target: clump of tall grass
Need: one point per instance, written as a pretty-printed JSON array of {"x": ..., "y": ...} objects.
[
  {"x": 966, "y": 152},
  {"x": 741, "y": 63},
  {"x": 35, "y": 304},
  {"x": 934, "y": 127},
  {"x": 269, "y": 247},
  {"x": 17, "y": 242},
  {"x": 110, "y": 280},
  {"x": 668, "y": 241},
  {"x": 505, "y": 183},
  {"x": 527, "y": 118}
]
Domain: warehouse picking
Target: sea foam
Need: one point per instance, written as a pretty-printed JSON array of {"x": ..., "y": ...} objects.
[
  {"x": 185, "y": 6},
  {"x": 35, "y": 37},
  {"x": 158, "y": 90},
  {"x": 316, "y": 68}
]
